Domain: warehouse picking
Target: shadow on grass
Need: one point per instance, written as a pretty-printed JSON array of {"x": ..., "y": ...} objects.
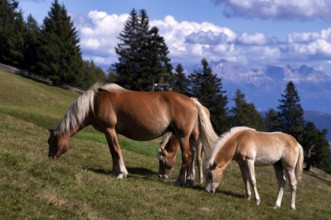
[
  {"x": 98, "y": 170},
  {"x": 317, "y": 177},
  {"x": 132, "y": 170},
  {"x": 141, "y": 171},
  {"x": 224, "y": 192},
  {"x": 232, "y": 194}
]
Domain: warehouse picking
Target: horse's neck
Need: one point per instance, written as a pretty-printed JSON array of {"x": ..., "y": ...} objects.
[
  {"x": 173, "y": 146},
  {"x": 226, "y": 154},
  {"x": 72, "y": 131}
]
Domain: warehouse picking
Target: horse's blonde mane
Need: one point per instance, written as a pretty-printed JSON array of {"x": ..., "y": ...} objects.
[
  {"x": 224, "y": 138},
  {"x": 79, "y": 110},
  {"x": 112, "y": 87}
]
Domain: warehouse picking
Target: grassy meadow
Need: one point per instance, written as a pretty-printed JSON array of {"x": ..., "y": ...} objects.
[{"x": 79, "y": 185}]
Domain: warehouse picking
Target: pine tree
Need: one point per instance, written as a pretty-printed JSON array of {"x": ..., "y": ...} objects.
[
  {"x": 207, "y": 87},
  {"x": 127, "y": 51},
  {"x": 181, "y": 82},
  {"x": 32, "y": 43},
  {"x": 158, "y": 68},
  {"x": 290, "y": 115},
  {"x": 60, "y": 55},
  {"x": 270, "y": 121},
  {"x": 245, "y": 114},
  {"x": 316, "y": 146},
  {"x": 12, "y": 30},
  {"x": 142, "y": 54}
]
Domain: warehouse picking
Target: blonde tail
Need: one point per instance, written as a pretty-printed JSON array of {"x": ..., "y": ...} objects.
[
  {"x": 299, "y": 166},
  {"x": 208, "y": 136}
]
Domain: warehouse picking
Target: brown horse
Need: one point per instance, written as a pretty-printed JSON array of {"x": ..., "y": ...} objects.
[
  {"x": 140, "y": 116},
  {"x": 170, "y": 147},
  {"x": 167, "y": 157},
  {"x": 249, "y": 148}
]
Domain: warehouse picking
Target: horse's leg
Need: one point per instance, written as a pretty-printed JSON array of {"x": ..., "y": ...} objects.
[
  {"x": 279, "y": 171},
  {"x": 245, "y": 176},
  {"x": 191, "y": 174},
  {"x": 251, "y": 170},
  {"x": 200, "y": 161},
  {"x": 119, "y": 169},
  {"x": 185, "y": 170},
  {"x": 293, "y": 185}
]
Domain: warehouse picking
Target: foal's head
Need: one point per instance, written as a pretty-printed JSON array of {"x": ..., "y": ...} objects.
[
  {"x": 213, "y": 176},
  {"x": 58, "y": 144},
  {"x": 167, "y": 155}
]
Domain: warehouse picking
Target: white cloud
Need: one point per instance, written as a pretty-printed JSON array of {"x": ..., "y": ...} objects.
[
  {"x": 314, "y": 44},
  {"x": 189, "y": 42},
  {"x": 256, "y": 38},
  {"x": 278, "y": 9},
  {"x": 98, "y": 35}
]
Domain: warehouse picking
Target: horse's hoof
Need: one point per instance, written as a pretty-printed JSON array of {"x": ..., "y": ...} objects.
[
  {"x": 189, "y": 182},
  {"x": 120, "y": 175},
  {"x": 277, "y": 205}
]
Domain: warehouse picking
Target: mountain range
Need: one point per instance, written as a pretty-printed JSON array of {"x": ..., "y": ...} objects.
[{"x": 264, "y": 87}]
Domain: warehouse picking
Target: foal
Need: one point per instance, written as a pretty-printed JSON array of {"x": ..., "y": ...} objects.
[{"x": 249, "y": 148}]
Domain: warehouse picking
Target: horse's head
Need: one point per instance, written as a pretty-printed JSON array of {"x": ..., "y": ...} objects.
[
  {"x": 58, "y": 145},
  {"x": 167, "y": 155},
  {"x": 213, "y": 177},
  {"x": 166, "y": 163}
]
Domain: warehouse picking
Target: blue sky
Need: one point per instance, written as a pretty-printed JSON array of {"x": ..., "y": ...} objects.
[{"x": 246, "y": 32}]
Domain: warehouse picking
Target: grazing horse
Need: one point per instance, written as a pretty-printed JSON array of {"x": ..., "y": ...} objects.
[
  {"x": 248, "y": 148},
  {"x": 140, "y": 116},
  {"x": 170, "y": 147},
  {"x": 167, "y": 157}
]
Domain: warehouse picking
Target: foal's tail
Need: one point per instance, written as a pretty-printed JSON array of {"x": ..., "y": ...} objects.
[
  {"x": 299, "y": 165},
  {"x": 207, "y": 135}
]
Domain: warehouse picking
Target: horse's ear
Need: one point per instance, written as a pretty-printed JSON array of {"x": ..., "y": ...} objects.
[
  {"x": 212, "y": 166},
  {"x": 164, "y": 151},
  {"x": 161, "y": 153}
]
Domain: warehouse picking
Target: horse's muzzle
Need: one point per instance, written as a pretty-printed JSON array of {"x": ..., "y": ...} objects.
[
  {"x": 210, "y": 189},
  {"x": 52, "y": 156},
  {"x": 163, "y": 176}
]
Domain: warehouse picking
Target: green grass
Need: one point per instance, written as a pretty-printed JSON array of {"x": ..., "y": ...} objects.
[{"x": 79, "y": 185}]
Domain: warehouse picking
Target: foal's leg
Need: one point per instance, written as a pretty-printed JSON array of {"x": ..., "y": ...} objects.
[
  {"x": 279, "y": 171},
  {"x": 245, "y": 176},
  {"x": 119, "y": 169},
  {"x": 251, "y": 170},
  {"x": 293, "y": 185}
]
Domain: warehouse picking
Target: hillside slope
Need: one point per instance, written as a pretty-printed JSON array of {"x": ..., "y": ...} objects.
[{"x": 79, "y": 185}]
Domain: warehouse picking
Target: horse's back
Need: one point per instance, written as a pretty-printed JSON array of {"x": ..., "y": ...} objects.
[
  {"x": 150, "y": 102},
  {"x": 267, "y": 147}
]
